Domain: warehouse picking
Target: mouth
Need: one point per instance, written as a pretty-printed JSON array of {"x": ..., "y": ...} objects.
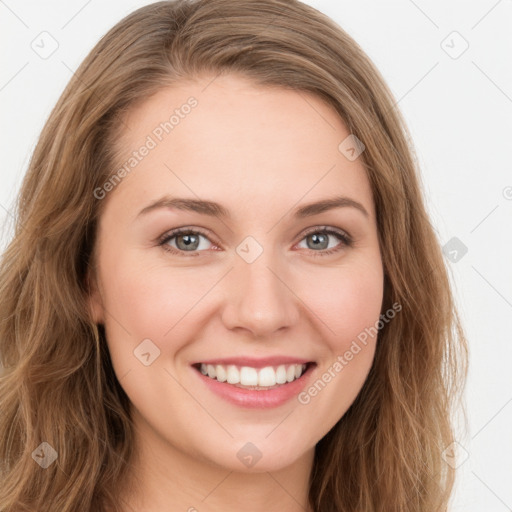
[
  {"x": 255, "y": 378},
  {"x": 255, "y": 386}
]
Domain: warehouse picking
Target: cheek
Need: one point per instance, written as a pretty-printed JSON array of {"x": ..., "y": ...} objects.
[
  {"x": 149, "y": 300},
  {"x": 144, "y": 303},
  {"x": 346, "y": 302},
  {"x": 349, "y": 307}
]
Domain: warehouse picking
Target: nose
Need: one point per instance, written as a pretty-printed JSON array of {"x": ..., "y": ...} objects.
[{"x": 260, "y": 298}]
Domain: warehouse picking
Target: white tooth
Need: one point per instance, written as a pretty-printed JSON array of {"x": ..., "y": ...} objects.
[
  {"x": 298, "y": 370},
  {"x": 248, "y": 376},
  {"x": 290, "y": 373},
  {"x": 233, "y": 375},
  {"x": 221, "y": 373},
  {"x": 204, "y": 370},
  {"x": 267, "y": 376},
  {"x": 211, "y": 371},
  {"x": 281, "y": 374}
]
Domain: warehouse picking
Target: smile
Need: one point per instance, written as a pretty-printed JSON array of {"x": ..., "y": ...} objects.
[
  {"x": 262, "y": 384},
  {"x": 253, "y": 378}
]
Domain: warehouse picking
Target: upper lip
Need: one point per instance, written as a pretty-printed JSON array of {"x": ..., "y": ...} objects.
[{"x": 255, "y": 362}]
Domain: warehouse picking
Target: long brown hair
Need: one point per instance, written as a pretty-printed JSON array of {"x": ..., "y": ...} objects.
[{"x": 58, "y": 385}]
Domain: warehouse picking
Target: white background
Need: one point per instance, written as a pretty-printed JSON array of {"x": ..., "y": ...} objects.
[{"x": 459, "y": 111}]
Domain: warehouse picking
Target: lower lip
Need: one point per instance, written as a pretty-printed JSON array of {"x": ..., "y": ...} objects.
[{"x": 255, "y": 399}]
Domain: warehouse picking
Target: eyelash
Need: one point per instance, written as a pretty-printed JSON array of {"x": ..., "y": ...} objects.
[{"x": 341, "y": 235}]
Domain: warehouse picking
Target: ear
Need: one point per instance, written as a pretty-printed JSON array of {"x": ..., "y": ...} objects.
[{"x": 94, "y": 299}]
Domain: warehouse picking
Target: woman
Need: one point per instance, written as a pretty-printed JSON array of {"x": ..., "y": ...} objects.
[{"x": 224, "y": 289}]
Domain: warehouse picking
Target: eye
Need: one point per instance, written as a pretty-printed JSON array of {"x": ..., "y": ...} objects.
[
  {"x": 318, "y": 241},
  {"x": 184, "y": 240}
]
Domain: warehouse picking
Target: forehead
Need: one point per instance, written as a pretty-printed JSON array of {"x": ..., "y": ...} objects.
[{"x": 225, "y": 136}]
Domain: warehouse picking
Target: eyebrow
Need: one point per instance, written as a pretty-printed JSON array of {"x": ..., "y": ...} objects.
[{"x": 214, "y": 209}]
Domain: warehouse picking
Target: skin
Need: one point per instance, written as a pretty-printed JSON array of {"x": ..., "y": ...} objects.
[{"x": 261, "y": 153}]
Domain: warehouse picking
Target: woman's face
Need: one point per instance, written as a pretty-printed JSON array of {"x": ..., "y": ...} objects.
[{"x": 254, "y": 288}]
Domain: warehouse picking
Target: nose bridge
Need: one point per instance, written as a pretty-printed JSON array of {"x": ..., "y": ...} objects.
[{"x": 259, "y": 300}]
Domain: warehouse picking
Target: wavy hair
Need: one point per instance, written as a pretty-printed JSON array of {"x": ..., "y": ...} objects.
[{"x": 57, "y": 383}]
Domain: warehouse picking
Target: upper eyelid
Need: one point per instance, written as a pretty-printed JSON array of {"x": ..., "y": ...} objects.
[
  {"x": 334, "y": 229},
  {"x": 168, "y": 235}
]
